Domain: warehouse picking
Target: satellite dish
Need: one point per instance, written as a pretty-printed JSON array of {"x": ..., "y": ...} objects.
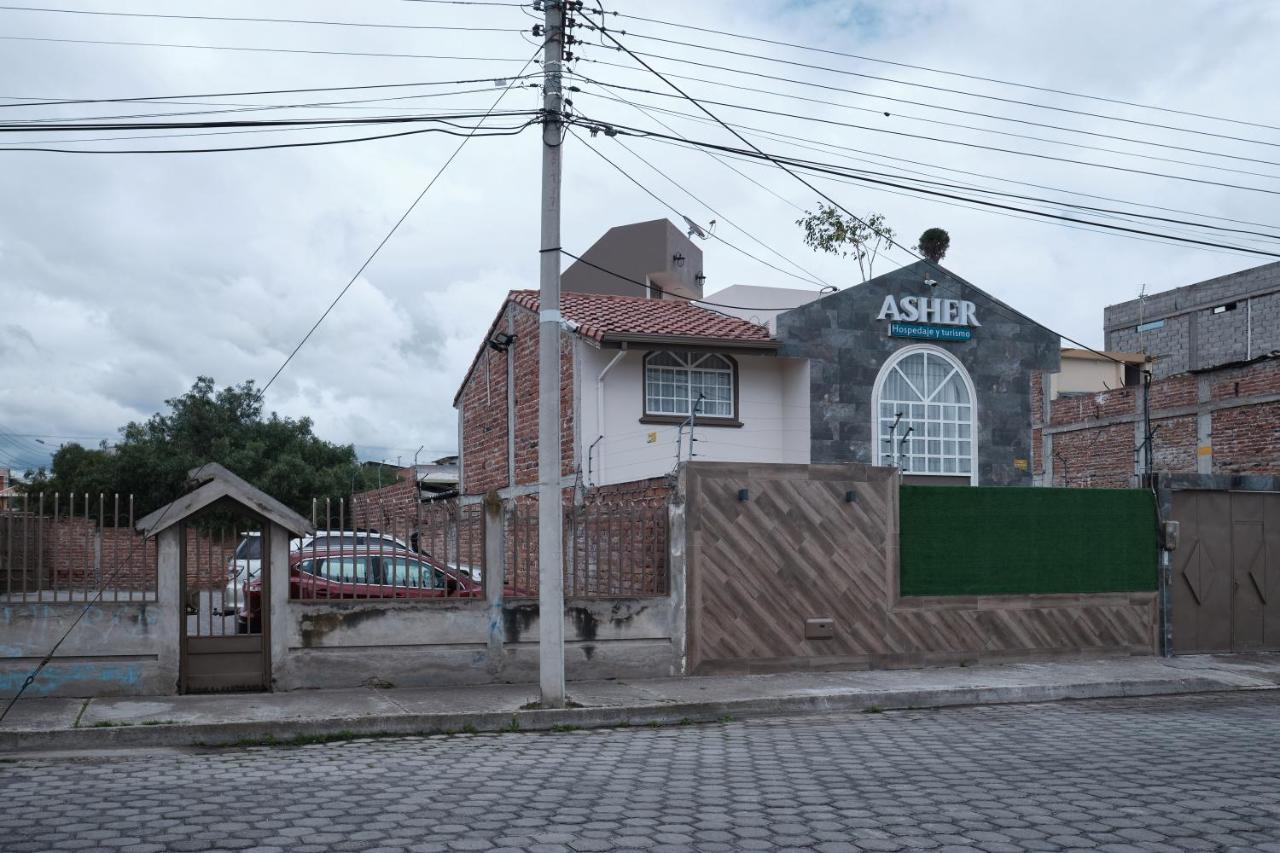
[{"x": 695, "y": 230}]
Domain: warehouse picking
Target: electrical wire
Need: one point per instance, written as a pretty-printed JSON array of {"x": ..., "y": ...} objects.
[
  {"x": 99, "y": 13},
  {"x": 966, "y": 186},
  {"x": 311, "y": 52},
  {"x": 997, "y": 149},
  {"x": 932, "y": 70},
  {"x": 833, "y": 149},
  {"x": 783, "y": 162},
  {"x": 37, "y": 102},
  {"x": 809, "y": 281},
  {"x": 471, "y": 132},
  {"x": 979, "y": 129},
  {"x": 387, "y": 238},
  {"x": 1016, "y": 314},
  {"x": 927, "y": 86}
]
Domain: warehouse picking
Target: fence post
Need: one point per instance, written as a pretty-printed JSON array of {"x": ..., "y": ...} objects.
[{"x": 494, "y": 571}]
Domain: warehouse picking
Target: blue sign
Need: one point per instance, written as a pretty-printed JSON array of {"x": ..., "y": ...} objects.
[{"x": 930, "y": 332}]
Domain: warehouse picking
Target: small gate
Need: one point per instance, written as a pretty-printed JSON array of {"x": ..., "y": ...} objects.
[
  {"x": 218, "y": 540},
  {"x": 1226, "y": 572},
  {"x": 225, "y": 582}
]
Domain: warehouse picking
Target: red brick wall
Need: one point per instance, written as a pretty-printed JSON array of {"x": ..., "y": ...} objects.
[
  {"x": 380, "y": 509},
  {"x": 1247, "y": 440},
  {"x": 483, "y": 409},
  {"x": 61, "y": 555},
  {"x": 1244, "y": 439}
]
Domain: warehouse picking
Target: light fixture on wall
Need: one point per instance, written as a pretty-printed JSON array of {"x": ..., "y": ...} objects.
[
  {"x": 677, "y": 259},
  {"x": 502, "y": 341},
  {"x": 700, "y": 279}
]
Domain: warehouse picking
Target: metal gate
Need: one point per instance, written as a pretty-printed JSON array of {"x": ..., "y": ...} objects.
[
  {"x": 1226, "y": 572},
  {"x": 225, "y": 582}
]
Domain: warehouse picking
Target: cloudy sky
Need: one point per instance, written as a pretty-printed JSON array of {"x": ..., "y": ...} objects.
[{"x": 123, "y": 277}]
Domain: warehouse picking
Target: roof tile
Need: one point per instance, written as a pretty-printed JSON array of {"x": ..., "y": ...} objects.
[{"x": 599, "y": 316}]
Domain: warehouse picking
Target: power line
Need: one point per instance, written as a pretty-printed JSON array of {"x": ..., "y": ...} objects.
[
  {"x": 312, "y": 52},
  {"x": 830, "y": 200},
  {"x": 989, "y": 191},
  {"x": 677, "y": 212},
  {"x": 280, "y": 145},
  {"x": 99, "y": 13},
  {"x": 979, "y": 129},
  {"x": 933, "y": 70},
  {"x": 37, "y": 102},
  {"x": 21, "y": 127},
  {"x": 647, "y": 288},
  {"x": 834, "y": 149},
  {"x": 387, "y": 238},
  {"x": 1013, "y": 151},
  {"x": 784, "y": 162},
  {"x": 944, "y": 89}
]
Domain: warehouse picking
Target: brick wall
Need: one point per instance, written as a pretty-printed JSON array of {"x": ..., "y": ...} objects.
[
  {"x": 381, "y": 509},
  {"x": 1094, "y": 437},
  {"x": 482, "y": 405},
  {"x": 75, "y": 554}
]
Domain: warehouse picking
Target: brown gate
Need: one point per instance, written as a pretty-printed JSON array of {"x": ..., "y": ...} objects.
[
  {"x": 1226, "y": 572},
  {"x": 225, "y": 581}
]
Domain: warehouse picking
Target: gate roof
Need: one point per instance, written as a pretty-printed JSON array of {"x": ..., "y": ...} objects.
[{"x": 220, "y": 485}]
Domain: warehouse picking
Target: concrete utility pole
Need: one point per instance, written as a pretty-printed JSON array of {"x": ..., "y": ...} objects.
[{"x": 550, "y": 512}]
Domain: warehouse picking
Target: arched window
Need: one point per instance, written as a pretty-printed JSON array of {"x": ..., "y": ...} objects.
[{"x": 936, "y": 432}]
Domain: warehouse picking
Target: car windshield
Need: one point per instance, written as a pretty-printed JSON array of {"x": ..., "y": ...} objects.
[
  {"x": 389, "y": 571},
  {"x": 250, "y": 548}
]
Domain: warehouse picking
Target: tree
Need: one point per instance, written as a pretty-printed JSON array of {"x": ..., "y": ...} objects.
[
  {"x": 279, "y": 455},
  {"x": 828, "y": 230},
  {"x": 933, "y": 244}
]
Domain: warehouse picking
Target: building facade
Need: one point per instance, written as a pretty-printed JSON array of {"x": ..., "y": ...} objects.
[
  {"x": 1232, "y": 318},
  {"x": 1213, "y": 402},
  {"x": 919, "y": 368}
]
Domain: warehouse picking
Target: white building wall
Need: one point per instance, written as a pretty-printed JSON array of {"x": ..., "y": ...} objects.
[{"x": 773, "y": 395}]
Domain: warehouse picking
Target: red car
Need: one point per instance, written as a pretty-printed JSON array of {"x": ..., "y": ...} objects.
[{"x": 323, "y": 574}]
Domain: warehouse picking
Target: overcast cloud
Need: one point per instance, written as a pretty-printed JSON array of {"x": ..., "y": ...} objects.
[{"x": 122, "y": 278}]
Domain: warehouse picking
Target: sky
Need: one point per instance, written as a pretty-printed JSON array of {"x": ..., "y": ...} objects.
[{"x": 124, "y": 277}]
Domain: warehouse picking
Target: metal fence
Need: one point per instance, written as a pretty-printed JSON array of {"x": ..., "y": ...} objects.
[
  {"x": 56, "y": 547},
  {"x": 611, "y": 550},
  {"x": 418, "y": 552}
]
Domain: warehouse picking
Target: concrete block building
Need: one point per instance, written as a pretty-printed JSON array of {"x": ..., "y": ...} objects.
[{"x": 1200, "y": 326}]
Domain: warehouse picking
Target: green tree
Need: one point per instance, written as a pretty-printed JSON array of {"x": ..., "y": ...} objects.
[
  {"x": 829, "y": 230},
  {"x": 933, "y": 244},
  {"x": 281, "y": 456}
]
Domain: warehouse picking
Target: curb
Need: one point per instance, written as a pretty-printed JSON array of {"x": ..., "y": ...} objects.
[{"x": 300, "y": 731}]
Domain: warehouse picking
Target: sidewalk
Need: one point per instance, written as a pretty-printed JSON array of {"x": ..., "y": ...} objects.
[{"x": 210, "y": 720}]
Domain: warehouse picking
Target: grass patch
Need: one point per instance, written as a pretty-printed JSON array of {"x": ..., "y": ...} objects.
[
  {"x": 873, "y": 709},
  {"x": 565, "y": 727},
  {"x": 109, "y": 724}
]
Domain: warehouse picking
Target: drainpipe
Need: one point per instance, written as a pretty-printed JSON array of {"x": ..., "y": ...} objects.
[
  {"x": 600, "y": 410},
  {"x": 1248, "y": 329}
]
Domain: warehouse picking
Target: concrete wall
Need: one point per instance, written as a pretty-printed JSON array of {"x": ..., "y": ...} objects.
[
  {"x": 847, "y": 345},
  {"x": 437, "y": 644},
  {"x": 798, "y": 549},
  {"x": 117, "y": 649},
  {"x": 1192, "y": 337},
  {"x": 772, "y": 407}
]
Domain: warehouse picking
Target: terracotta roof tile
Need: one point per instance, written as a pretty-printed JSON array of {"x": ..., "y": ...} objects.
[{"x": 599, "y": 316}]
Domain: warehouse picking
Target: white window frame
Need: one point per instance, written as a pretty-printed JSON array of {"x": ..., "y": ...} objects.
[
  {"x": 877, "y": 454},
  {"x": 691, "y": 361}
]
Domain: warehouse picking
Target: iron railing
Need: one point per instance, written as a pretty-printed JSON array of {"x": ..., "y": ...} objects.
[{"x": 56, "y": 547}]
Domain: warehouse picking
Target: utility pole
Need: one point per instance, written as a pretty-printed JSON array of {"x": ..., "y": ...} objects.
[{"x": 550, "y": 511}]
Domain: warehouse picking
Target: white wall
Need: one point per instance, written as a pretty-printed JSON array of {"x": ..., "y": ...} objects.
[{"x": 773, "y": 399}]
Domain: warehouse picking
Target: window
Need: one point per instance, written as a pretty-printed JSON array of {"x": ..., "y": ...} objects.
[
  {"x": 1222, "y": 309},
  {"x": 1151, "y": 327},
  {"x": 935, "y": 434},
  {"x": 341, "y": 569},
  {"x": 678, "y": 384}
]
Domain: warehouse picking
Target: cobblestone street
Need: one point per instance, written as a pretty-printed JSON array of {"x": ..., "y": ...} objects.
[{"x": 1193, "y": 773}]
